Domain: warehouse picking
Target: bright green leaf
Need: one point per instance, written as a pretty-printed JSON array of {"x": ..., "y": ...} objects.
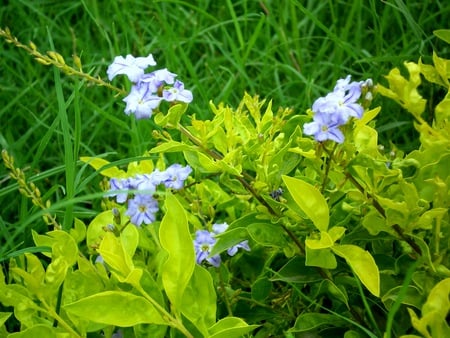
[
  {"x": 322, "y": 258},
  {"x": 324, "y": 242},
  {"x": 115, "y": 308},
  {"x": 363, "y": 264},
  {"x": 98, "y": 163},
  {"x": 230, "y": 327},
  {"x": 404, "y": 91},
  {"x": 310, "y": 200},
  {"x": 443, "y": 34},
  {"x": 37, "y": 331},
  {"x": 199, "y": 300},
  {"x": 114, "y": 255},
  {"x": 176, "y": 240}
]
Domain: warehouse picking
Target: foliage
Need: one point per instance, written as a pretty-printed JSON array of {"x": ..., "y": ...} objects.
[{"x": 344, "y": 237}]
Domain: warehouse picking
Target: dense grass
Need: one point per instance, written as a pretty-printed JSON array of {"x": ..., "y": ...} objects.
[{"x": 288, "y": 51}]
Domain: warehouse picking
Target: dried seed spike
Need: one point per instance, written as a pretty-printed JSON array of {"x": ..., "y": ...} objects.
[
  {"x": 33, "y": 46},
  {"x": 77, "y": 62},
  {"x": 42, "y": 61},
  {"x": 56, "y": 56}
]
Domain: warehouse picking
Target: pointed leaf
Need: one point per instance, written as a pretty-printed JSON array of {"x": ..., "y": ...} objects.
[
  {"x": 363, "y": 264},
  {"x": 199, "y": 300},
  {"x": 230, "y": 327},
  {"x": 176, "y": 240}
]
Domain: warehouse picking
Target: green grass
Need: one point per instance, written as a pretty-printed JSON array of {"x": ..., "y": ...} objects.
[{"x": 288, "y": 51}]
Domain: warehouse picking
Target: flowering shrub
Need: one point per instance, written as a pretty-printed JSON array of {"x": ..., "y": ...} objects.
[{"x": 262, "y": 231}]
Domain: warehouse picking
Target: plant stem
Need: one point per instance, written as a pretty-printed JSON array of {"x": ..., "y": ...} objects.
[
  {"x": 224, "y": 293},
  {"x": 243, "y": 181},
  {"x": 328, "y": 166},
  {"x": 60, "y": 320},
  {"x": 171, "y": 321},
  {"x": 382, "y": 212}
]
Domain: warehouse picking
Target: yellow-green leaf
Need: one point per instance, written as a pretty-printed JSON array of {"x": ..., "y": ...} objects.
[
  {"x": 363, "y": 265},
  {"x": 115, "y": 308},
  {"x": 403, "y": 90},
  {"x": 176, "y": 239},
  {"x": 310, "y": 200},
  {"x": 98, "y": 163},
  {"x": 443, "y": 34}
]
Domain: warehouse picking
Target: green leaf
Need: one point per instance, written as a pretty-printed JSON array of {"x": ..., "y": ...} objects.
[
  {"x": 412, "y": 297},
  {"x": 199, "y": 300},
  {"x": 39, "y": 331},
  {"x": 267, "y": 234},
  {"x": 4, "y": 317},
  {"x": 324, "y": 242},
  {"x": 296, "y": 271},
  {"x": 230, "y": 327},
  {"x": 176, "y": 240},
  {"x": 78, "y": 232},
  {"x": 115, "y": 308},
  {"x": 330, "y": 289},
  {"x": 171, "y": 146},
  {"x": 443, "y": 34},
  {"x": 173, "y": 116},
  {"x": 434, "y": 312},
  {"x": 228, "y": 239},
  {"x": 113, "y": 253},
  {"x": 310, "y": 200},
  {"x": 201, "y": 162},
  {"x": 95, "y": 230},
  {"x": 261, "y": 289},
  {"x": 310, "y": 321},
  {"x": 363, "y": 265}
]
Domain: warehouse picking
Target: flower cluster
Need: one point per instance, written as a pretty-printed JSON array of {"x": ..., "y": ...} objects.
[
  {"x": 148, "y": 89},
  {"x": 205, "y": 240},
  {"x": 335, "y": 109},
  {"x": 142, "y": 207}
]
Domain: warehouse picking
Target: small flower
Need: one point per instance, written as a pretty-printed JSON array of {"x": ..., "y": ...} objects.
[
  {"x": 176, "y": 175},
  {"x": 119, "y": 184},
  {"x": 234, "y": 249},
  {"x": 324, "y": 127},
  {"x": 219, "y": 228},
  {"x": 141, "y": 101},
  {"x": 203, "y": 244},
  {"x": 158, "y": 78},
  {"x": 335, "y": 109},
  {"x": 130, "y": 66},
  {"x": 146, "y": 183},
  {"x": 142, "y": 209},
  {"x": 177, "y": 93}
]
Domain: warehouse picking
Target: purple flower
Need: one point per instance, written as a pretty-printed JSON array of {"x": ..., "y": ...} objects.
[
  {"x": 119, "y": 184},
  {"x": 141, "y": 101},
  {"x": 158, "y": 78},
  {"x": 142, "y": 209},
  {"x": 334, "y": 110},
  {"x": 324, "y": 127},
  {"x": 234, "y": 249},
  {"x": 203, "y": 244},
  {"x": 177, "y": 93},
  {"x": 219, "y": 228},
  {"x": 130, "y": 66},
  {"x": 176, "y": 175},
  {"x": 145, "y": 183}
]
